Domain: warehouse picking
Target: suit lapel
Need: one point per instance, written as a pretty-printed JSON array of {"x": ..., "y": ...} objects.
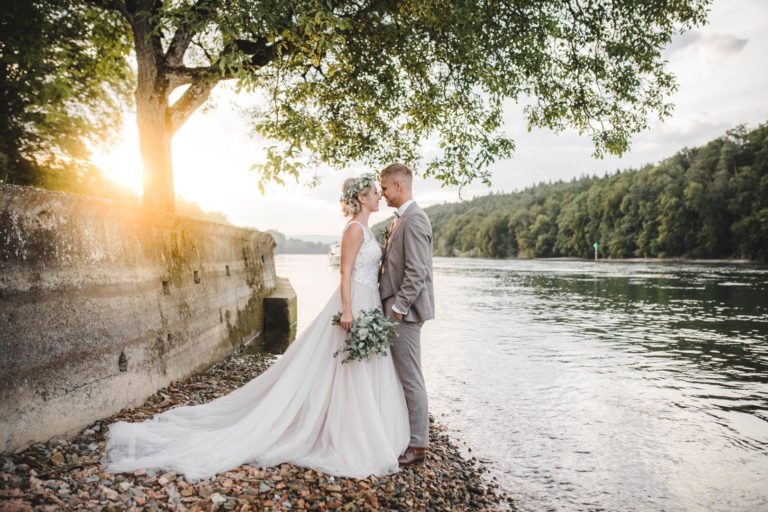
[{"x": 397, "y": 229}]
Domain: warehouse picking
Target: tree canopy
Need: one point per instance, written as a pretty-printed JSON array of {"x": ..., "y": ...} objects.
[
  {"x": 377, "y": 80},
  {"x": 383, "y": 80}
]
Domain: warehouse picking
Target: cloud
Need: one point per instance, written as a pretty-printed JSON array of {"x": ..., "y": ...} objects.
[{"x": 721, "y": 44}]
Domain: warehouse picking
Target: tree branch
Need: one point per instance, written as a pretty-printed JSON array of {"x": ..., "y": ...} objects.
[
  {"x": 194, "y": 97},
  {"x": 178, "y": 76},
  {"x": 178, "y": 47},
  {"x": 184, "y": 34},
  {"x": 260, "y": 53},
  {"x": 204, "y": 79}
]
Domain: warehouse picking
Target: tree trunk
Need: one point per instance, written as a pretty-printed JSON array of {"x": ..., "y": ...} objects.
[
  {"x": 152, "y": 116},
  {"x": 158, "y": 74},
  {"x": 155, "y": 143}
]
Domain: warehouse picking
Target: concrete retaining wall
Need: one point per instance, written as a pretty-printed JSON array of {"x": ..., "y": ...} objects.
[{"x": 102, "y": 303}]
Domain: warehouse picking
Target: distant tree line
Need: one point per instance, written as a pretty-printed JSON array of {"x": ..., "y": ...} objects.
[
  {"x": 295, "y": 246},
  {"x": 707, "y": 202}
]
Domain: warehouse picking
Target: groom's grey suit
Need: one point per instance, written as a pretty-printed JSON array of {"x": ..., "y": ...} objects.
[{"x": 406, "y": 283}]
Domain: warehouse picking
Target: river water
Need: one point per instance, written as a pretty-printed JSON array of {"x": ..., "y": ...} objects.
[{"x": 610, "y": 386}]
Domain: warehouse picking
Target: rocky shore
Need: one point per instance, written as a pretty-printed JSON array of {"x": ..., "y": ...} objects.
[{"x": 66, "y": 474}]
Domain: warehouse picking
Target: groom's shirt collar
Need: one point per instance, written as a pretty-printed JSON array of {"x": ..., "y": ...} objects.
[{"x": 404, "y": 206}]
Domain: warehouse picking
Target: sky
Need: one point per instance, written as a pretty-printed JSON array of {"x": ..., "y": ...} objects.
[{"x": 722, "y": 74}]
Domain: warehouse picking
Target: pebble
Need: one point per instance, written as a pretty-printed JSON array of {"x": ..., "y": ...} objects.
[
  {"x": 57, "y": 458},
  {"x": 66, "y": 474},
  {"x": 218, "y": 498}
]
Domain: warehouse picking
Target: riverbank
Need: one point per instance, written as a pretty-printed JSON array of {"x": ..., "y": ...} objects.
[
  {"x": 721, "y": 261},
  {"x": 653, "y": 260},
  {"x": 66, "y": 474}
]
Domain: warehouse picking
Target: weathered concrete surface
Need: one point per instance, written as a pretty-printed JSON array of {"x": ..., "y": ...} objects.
[
  {"x": 280, "y": 311},
  {"x": 102, "y": 303}
]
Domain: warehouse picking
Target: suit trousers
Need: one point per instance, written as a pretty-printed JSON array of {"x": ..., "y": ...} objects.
[{"x": 406, "y": 354}]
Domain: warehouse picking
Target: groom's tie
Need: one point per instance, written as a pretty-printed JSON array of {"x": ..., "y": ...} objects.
[{"x": 392, "y": 228}]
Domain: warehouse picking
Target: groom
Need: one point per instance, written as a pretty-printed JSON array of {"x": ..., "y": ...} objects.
[{"x": 405, "y": 285}]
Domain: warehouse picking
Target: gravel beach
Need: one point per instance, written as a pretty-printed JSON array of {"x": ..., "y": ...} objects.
[{"x": 65, "y": 474}]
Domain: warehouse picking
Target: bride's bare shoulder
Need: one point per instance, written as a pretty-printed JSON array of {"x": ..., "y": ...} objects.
[{"x": 353, "y": 232}]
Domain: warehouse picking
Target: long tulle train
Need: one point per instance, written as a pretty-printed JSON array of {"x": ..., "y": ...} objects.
[{"x": 308, "y": 409}]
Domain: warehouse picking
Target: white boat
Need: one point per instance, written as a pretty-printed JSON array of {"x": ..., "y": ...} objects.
[{"x": 334, "y": 255}]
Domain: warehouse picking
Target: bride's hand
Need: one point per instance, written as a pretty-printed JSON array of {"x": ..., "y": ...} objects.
[{"x": 346, "y": 321}]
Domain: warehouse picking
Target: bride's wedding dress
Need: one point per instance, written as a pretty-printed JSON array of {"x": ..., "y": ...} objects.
[{"x": 307, "y": 409}]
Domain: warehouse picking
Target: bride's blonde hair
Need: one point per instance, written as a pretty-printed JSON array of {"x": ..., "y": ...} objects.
[{"x": 351, "y": 189}]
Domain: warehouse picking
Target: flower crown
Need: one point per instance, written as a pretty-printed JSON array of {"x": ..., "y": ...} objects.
[{"x": 363, "y": 182}]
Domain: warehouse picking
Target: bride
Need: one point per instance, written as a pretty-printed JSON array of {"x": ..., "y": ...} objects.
[{"x": 308, "y": 408}]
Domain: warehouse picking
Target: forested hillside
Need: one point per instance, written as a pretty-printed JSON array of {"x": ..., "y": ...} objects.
[
  {"x": 707, "y": 202},
  {"x": 286, "y": 245}
]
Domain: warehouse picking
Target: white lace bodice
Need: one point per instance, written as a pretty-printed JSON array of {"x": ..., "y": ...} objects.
[{"x": 366, "y": 268}]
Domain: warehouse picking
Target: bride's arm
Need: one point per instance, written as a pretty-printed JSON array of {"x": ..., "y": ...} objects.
[{"x": 350, "y": 244}]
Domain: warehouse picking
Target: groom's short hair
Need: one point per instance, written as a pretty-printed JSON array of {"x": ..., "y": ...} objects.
[{"x": 400, "y": 169}]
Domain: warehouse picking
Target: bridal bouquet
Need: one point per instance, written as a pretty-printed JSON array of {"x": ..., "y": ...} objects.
[{"x": 370, "y": 335}]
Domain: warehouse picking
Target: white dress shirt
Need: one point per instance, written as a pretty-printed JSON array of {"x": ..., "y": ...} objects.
[{"x": 400, "y": 211}]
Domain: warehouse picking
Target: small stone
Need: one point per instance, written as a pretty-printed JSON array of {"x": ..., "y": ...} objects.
[
  {"x": 173, "y": 494},
  {"x": 137, "y": 493},
  {"x": 264, "y": 487},
  {"x": 109, "y": 494},
  {"x": 218, "y": 498},
  {"x": 57, "y": 459}
]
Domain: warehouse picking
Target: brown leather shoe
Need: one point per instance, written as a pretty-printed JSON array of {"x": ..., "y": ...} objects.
[{"x": 412, "y": 455}]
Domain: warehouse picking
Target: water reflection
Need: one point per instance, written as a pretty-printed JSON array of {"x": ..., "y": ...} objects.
[{"x": 682, "y": 314}]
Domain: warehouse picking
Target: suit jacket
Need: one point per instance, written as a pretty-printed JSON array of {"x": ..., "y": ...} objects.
[{"x": 405, "y": 279}]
